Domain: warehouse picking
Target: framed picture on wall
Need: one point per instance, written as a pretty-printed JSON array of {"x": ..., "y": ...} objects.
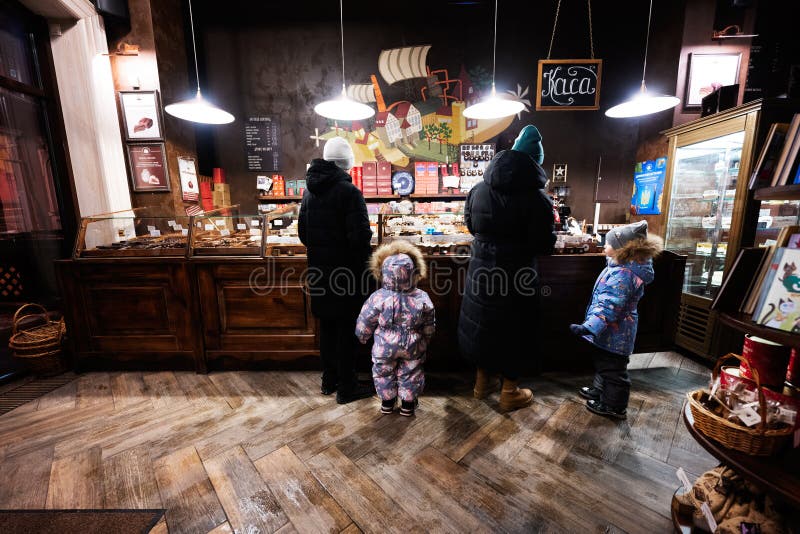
[
  {"x": 141, "y": 115},
  {"x": 148, "y": 166},
  {"x": 705, "y": 74}
]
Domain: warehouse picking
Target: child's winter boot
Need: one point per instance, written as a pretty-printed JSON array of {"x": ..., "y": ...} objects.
[{"x": 512, "y": 397}]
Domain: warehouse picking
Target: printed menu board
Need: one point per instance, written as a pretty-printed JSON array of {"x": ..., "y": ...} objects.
[{"x": 262, "y": 137}]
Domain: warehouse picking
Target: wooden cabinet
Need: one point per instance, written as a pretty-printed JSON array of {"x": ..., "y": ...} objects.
[
  {"x": 233, "y": 313},
  {"x": 710, "y": 213},
  {"x": 130, "y": 314},
  {"x": 254, "y": 310}
]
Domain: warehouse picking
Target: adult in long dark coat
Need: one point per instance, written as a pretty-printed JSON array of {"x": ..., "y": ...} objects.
[
  {"x": 334, "y": 227},
  {"x": 511, "y": 217}
]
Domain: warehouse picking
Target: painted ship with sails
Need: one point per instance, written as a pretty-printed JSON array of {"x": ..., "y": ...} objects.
[{"x": 398, "y": 132}]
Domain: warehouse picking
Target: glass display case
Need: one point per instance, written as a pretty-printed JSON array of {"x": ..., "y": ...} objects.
[
  {"x": 282, "y": 231},
  {"x": 702, "y": 204},
  {"x": 127, "y": 235},
  {"x": 227, "y": 235},
  {"x": 433, "y": 233}
]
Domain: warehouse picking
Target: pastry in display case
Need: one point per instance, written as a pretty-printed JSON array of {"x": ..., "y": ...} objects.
[
  {"x": 125, "y": 234},
  {"x": 283, "y": 238},
  {"x": 227, "y": 235},
  {"x": 433, "y": 233}
]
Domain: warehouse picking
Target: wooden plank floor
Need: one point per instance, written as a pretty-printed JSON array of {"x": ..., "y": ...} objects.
[{"x": 264, "y": 452}]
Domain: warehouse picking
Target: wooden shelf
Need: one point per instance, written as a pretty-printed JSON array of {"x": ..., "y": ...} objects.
[
  {"x": 374, "y": 198},
  {"x": 780, "y": 192},
  {"x": 778, "y": 475},
  {"x": 743, "y": 322}
]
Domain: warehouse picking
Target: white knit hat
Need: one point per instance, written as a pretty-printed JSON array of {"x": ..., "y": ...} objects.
[{"x": 338, "y": 150}]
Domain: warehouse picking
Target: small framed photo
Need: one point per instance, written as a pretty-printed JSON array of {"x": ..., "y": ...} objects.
[
  {"x": 148, "y": 165},
  {"x": 705, "y": 74},
  {"x": 141, "y": 115}
]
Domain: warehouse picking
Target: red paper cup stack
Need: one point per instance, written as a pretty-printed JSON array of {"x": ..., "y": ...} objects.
[{"x": 218, "y": 175}]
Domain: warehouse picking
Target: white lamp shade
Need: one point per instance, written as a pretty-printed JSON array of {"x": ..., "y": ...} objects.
[
  {"x": 198, "y": 109},
  {"x": 344, "y": 109},
  {"x": 643, "y": 104},
  {"x": 493, "y": 107}
]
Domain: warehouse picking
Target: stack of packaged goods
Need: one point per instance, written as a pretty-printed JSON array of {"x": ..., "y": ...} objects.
[
  {"x": 384, "y": 178},
  {"x": 206, "y": 198},
  {"x": 222, "y": 191},
  {"x": 426, "y": 176},
  {"x": 356, "y": 174},
  {"x": 278, "y": 186},
  {"x": 369, "y": 177}
]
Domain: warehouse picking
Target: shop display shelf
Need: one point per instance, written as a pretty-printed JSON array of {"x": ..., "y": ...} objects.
[
  {"x": 778, "y": 475},
  {"x": 374, "y": 198},
  {"x": 780, "y": 192},
  {"x": 682, "y": 522},
  {"x": 743, "y": 322}
]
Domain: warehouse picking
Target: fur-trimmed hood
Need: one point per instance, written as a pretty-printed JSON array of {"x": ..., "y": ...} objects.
[
  {"x": 398, "y": 265},
  {"x": 639, "y": 250}
]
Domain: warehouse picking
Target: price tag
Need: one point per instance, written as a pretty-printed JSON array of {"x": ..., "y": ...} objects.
[
  {"x": 209, "y": 227},
  {"x": 177, "y": 227},
  {"x": 171, "y": 223},
  {"x": 748, "y": 415},
  {"x": 712, "y": 523},
  {"x": 155, "y": 233},
  {"x": 225, "y": 233},
  {"x": 151, "y": 229},
  {"x": 241, "y": 226},
  {"x": 220, "y": 222},
  {"x": 255, "y": 222},
  {"x": 277, "y": 222},
  {"x": 255, "y": 231},
  {"x": 714, "y": 387},
  {"x": 684, "y": 479},
  {"x": 787, "y": 415},
  {"x": 184, "y": 231}
]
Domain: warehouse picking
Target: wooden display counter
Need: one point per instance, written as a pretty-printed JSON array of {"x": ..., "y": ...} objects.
[{"x": 211, "y": 313}]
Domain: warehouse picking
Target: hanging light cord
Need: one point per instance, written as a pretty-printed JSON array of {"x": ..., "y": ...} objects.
[
  {"x": 341, "y": 31},
  {"x": 591, "y": 33},
  {"x": 494, "y": 48},
  {"x": 647, "y": 43},
  {"x": 553, "y": 35},
  {"x": 194, "y": 47}
]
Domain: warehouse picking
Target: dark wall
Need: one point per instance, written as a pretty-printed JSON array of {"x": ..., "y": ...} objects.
[{"x": 280, "y": 59}]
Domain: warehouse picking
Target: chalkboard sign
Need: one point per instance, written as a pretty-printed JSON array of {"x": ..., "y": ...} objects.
[
  {"x": 568, "y": 84},
  {"x": 262, "y": 137}
]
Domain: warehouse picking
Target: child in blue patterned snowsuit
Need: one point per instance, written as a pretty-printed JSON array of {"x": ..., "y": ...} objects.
[
  {"x": 401, "y": 316},
  {"x": 611, "y": 318}
]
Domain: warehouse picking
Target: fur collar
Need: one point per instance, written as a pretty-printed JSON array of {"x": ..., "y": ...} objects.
[
  {"x": 640, "y": 249},
  {"x": 398, "y": 247}
]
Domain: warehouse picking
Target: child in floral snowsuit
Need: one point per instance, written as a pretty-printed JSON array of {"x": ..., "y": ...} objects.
[
  {"x": 401, "y": 317},
  {"x": 612, "y": 319}
]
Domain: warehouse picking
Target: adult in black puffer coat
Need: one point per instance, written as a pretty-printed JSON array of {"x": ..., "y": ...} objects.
[
  {"x": 511, "y": 218},
  {"x": 334, "y": 227}
]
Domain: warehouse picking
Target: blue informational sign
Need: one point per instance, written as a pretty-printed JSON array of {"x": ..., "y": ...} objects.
[{"x": 648, "y": 187}]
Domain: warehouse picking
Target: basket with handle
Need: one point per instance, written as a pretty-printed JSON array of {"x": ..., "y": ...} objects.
[
  {"x": 39, "y": 346},
  {"x": 757, "y": 441}
]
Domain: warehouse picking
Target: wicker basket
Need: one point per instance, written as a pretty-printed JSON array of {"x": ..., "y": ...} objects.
[
  {"x": 758, "y": 441},
  {"x": 38, "y": 347}
]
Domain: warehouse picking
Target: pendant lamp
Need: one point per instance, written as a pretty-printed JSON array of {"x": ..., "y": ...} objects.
[
  {"x": 643, "y": 103},
  {"x": 343, "y": 108},
  {"x": 198, "y": 109},
  {"x": 494, "y": 107}
]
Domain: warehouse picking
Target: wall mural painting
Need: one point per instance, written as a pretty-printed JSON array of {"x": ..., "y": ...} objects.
[{"x": 430, "y": 125}]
